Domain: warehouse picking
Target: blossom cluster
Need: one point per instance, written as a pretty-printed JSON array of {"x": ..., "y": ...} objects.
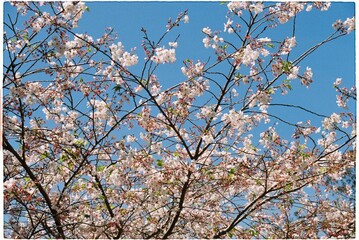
[
  {"x": 237, "y": 7},
  {"x": 192, "y": 70},
  {"x": 126, "y": 59},
  {"x": 307, "y": 77},
  {"x": 228, "y": 26},
  {"x": 101, "y": 110},
  {"x": 68, "y": 14},
  {"x": 347, "y": 26},
  {"x": 237, "y": 119},
  {"x": 70, "y": 49},
  {"x": 212, "y": 39},
  {"x": 187, "y": 158},
  {"x": 331, "y": 122},
  {"x": 288, "y": 45},
  {"x": 285, "y": 11},
  {"x": 14, "y": 45},
  {"x": 345, "y": 93},
  {"x": 249, "y": 54},
  {"x": 163, "y": 55},
  {"x": 73, "y": 10}
]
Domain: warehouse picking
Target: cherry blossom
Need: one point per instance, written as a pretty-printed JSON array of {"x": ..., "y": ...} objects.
[
  {"x": 186, "y": 19},
  {"x": 288, "y": 45},
  {"x": 163, "y": 55},
  {"x": 96, "y": 147}
]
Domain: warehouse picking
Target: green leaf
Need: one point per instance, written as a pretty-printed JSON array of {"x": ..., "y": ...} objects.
[
  {"x": 171, "y": 110},
  {"x": 288, "y": 187},
  {"x": 87, "y": 9},
  {"x": 63, "y": 157},
  {"x": 287, "y": 66},
  {"x": 89, "y": 49},
  {"x": 253, "y": 232},
  {"x": 51, "y": 54},
  {"x": 208, "y": 172},
  {"x": 253, "y": 148},
  {"x": 159, "y": 162},
  {"x": 70, "y": 165},
  {"x": 302, "y": 147},
  {"x": 238, "y": 75},
  {"x": 44, "y": 155},
  {"x": 287, "y": 84},
  {"x": 117, "y": 88},
  {"x": 80, "y": 143},
  {"x": 271, "y": 91},
  {"x": 100, "y": 168},
  {"x": 231, "y": 173},
  {"x": 271, "y": 45},
  {"x": 176, "y": 154},
  {"x": 304, "y": 154}
]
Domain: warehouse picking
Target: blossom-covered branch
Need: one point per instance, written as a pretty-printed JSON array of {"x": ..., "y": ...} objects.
[{"x": 99, "y": 143}]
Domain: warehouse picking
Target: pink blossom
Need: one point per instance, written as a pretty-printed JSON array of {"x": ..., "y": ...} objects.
[
  {"x": 186, "y": 19},
  {"x": 289, "y": 43},
  {"x": 173, "y": 44},
  {"x": 163, "y": 55},
  {"x": 349, "y": 24},
  {"x": 256, "y": 8}
]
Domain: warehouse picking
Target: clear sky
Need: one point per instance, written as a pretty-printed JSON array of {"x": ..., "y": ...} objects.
[{"x": 335, "y": 59}]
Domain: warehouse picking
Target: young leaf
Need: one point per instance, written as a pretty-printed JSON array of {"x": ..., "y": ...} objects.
[
  {"x": 100, "y": 168},
  {"x": 117, "y": 88},
  {"x": 287, "y": 66},
  {"x": 159, "y": 162}
]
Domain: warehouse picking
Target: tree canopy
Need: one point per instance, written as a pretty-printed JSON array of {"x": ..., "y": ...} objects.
[{"x": 100, "y": 141}]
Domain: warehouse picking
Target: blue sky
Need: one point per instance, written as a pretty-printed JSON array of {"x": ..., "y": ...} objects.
[{"x": 334, "y": 59}]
